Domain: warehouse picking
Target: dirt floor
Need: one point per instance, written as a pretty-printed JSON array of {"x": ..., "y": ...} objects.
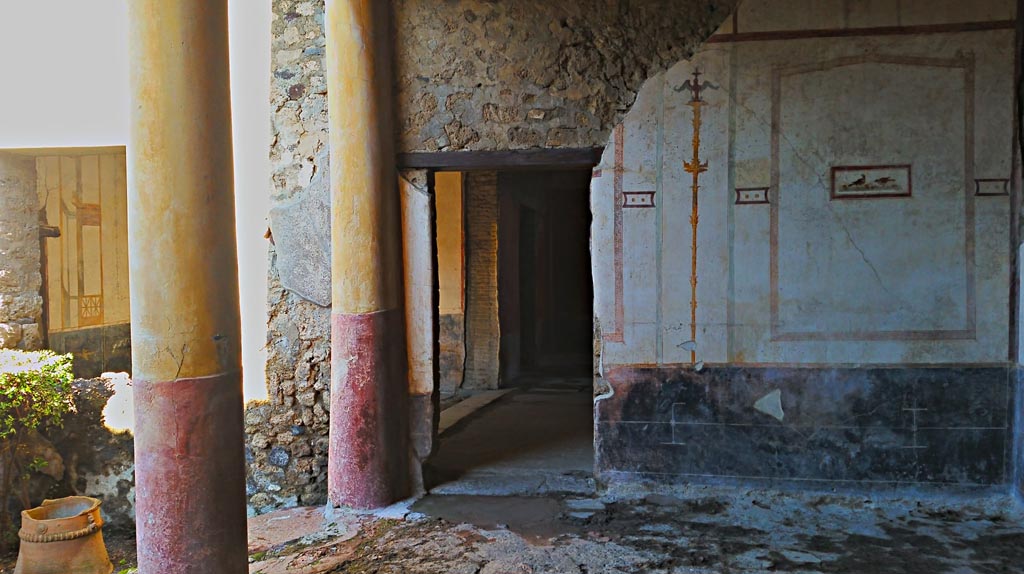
[{"x": 698, "y": 532}]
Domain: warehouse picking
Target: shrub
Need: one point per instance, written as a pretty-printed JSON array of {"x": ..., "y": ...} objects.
[{"x": 35, "y": 390}]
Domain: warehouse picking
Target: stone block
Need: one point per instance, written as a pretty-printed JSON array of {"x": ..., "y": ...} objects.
[
  {"x": 17, "y": 308},
  {"x": 31, "y": 337},
  {"x": 279, "y": 457},
  {"x": 10, "y": 335},
  {"x": 19, "y": 245}
]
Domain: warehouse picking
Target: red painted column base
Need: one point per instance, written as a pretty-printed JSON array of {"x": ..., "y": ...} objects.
[
  {"x": 368, "y": 465},
  {"x": 190, "y": 476}
]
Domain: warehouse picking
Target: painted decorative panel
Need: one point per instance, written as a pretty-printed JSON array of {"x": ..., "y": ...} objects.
[
  {"x": 864, "y": 272},
  {"x": 992, "y": 187},
  {"x": 85, "y": 196},
  {"x": 847, "y": 199},
  {"x": 872, "y": 181},
  {"x": 752, "y": 196}
]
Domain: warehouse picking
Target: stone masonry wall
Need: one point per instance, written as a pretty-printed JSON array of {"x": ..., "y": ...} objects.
[
  {"x": 452, "y": 352},
  {"x": 479, "y": 75},
  {"x": 21, "y": 305},
  {"x": 471, "y": 75}
]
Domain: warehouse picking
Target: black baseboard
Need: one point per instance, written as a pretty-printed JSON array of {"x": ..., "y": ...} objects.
[{"x": 945, "y": 427}]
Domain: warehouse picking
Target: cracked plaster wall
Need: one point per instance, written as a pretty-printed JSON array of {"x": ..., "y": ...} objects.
[
  {"x": 914, "y": 269},
  {"x": 471, "y": 75},
  {"x": 853, "y": 257}
]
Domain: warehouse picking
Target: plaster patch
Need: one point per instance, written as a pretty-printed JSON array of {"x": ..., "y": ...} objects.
[
  {"x": 771, "y": 405},
  {"x": 301, "y": 229},
  {"x": 602, "y": 390}
]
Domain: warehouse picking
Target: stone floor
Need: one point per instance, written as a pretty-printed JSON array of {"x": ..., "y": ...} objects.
[
  {"x": 537, "y": 438},
  {"x": 696, "y": 530}
]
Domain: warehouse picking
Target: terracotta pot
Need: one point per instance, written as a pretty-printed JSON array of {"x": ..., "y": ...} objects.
[{"x": 63, "y": 537}]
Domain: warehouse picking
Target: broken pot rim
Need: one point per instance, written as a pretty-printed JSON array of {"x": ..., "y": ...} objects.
[{"x": 94, "y": 504}]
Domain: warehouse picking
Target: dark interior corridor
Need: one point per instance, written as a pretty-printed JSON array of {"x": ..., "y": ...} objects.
[{"x": 545, "y": 288}]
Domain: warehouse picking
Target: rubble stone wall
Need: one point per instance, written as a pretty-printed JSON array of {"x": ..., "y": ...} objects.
[{"x": 21, "y": 305}]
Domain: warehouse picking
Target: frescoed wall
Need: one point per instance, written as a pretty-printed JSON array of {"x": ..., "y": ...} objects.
[
  {"x": 84, "y": 194},
  {"x": 854, "y": 164}
]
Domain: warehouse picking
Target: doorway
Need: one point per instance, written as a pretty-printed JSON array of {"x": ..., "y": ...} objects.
[{"x": 515, "y": 332}]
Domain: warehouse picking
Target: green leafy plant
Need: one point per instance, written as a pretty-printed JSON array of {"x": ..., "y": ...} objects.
[{"x": 35, "y": 390}]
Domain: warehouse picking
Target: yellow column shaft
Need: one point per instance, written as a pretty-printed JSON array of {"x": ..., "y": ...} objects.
[
  {"x": 184, "y": 281},
  {"x": 365, "y": 211}
]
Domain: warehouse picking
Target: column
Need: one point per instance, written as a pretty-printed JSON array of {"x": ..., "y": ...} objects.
[
  {"x": 189, "y": 457},
  {"x": 369, "y": 453}
]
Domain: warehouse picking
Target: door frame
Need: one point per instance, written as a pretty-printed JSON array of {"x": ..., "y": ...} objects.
[{"x": 417, "y": 169}]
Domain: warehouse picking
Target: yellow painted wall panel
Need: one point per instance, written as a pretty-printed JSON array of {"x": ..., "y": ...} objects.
[
  {"x": 92, "y": 261},
  {"x": 87, "y": 266},
  {"x": 51, "y": 207},
  {"x": 69, "y": 195},
  {"x": 448, "y": 194},
  {"x": 48, "y": 176},
  {"x": 114, "y": 199},
  {"x": 59, "y": 306},
  {"x": 90, "y": 171}
]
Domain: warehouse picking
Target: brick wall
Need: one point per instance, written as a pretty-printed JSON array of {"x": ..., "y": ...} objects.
[{"x": 482, "y": 327}]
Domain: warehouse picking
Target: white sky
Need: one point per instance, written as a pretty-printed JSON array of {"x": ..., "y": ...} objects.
[{"x": 63, "y": 82}]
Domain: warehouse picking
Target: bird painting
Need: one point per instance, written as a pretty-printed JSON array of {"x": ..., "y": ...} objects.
[
  {"x": 871, "y": 181},
  {"x": 857, "y": 182}
]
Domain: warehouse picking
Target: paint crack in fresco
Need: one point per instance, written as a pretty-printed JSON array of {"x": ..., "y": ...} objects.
[
  {"x": 180, "y": 361},
  {"x": 874, "y": 270},
  {"x": 798, "y": 153}
]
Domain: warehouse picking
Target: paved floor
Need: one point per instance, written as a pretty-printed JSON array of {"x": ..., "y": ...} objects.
[{"x": 536, "y": 439}]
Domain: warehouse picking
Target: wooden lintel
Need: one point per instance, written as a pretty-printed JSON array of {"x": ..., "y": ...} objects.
[{"x": 563, "y": 158}]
